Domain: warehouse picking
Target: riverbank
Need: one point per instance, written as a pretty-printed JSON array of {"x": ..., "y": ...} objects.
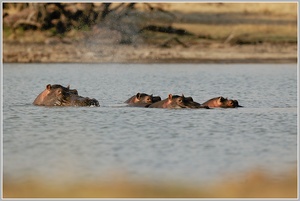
[
  {"x": 167, "y": 33},
  {"x": 89, "y": 52}
]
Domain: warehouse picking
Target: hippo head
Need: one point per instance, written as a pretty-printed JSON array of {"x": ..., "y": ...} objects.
[
  {"x": 176, "y": 101},
  {"x": 57, "y": 95},
  {"x": 227, "y": 103},
  {"x": 142, "y": 100},
  {"x": 53, "y": 95},
  {"x": 145, "y": 98}
]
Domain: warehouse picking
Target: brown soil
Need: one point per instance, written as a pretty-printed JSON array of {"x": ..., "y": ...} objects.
[
  {"x": 223, "y": 33},
  {"x": 90, "y": 51}
]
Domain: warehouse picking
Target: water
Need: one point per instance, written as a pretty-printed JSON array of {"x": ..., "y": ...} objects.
[{"x": 147, "y": 143}]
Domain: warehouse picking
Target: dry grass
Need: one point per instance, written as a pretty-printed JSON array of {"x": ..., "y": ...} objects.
[
  {"x": 249, "y": 22},
  {"x": 245, "y": 22},
  {"x": 256, "y": 184},
  {"x": 281, "y": 9},
  {"x": 266, "y": 33},
  {"x": 231, "y": 32}
]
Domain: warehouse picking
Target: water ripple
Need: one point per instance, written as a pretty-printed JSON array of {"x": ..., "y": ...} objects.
[{"x": 144, "y": 142}]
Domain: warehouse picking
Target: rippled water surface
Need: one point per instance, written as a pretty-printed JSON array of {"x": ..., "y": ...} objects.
[{"x": 148, "y": 143}]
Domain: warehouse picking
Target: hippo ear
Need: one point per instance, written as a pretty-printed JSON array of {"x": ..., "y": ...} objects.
[
  {"x": 170, "y": 97},
  {"x": 68, "y": 87},
  {"x": 221, "y": 99},
  {"x": 182, "y": 95},
  {"x": 138, "y": 95},
  {"x": 48, "y": 87}
]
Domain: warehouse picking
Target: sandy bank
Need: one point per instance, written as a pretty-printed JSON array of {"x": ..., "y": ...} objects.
[{"x": 93, "y": 52}]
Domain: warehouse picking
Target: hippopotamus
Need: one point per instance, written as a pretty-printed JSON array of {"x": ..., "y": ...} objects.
[
  {"x": 57, "y": 95},
  {"x": 142, "y": 100},
  {"x": 221, "y": 102},
  {"x": 176, "y": 101}
]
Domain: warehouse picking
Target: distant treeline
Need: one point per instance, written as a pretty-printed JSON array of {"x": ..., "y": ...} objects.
[
  {"x": 126, "y": 18},
  {"x": 60, "y": 16}
]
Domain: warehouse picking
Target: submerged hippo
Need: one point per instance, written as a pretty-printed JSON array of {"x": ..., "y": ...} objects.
[
  {"x": 57, "y": 95},
  {"x": 221, "y": 102},
  {"x": 175, "y": 101},
  {"x": 142, "y": 100}
]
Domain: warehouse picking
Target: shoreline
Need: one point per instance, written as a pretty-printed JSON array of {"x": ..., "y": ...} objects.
[
  {"x": 195, "y": 33},
  {"x": 179, "y": 61},
  {"x": 95, "y": 52}
]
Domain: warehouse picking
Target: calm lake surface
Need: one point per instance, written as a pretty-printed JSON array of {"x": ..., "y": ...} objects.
[{"x": 104, "y": 142}]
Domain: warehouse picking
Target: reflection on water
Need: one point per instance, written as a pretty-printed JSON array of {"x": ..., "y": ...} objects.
[{"x": 185, "y": 144}]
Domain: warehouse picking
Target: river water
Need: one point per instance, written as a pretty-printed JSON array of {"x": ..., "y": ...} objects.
[{"x": 197, "y": 145}]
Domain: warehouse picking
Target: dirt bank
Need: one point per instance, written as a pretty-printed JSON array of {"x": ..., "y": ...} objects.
[
  {"x": 167, "y": 33},
  {"x": 93, "y": 52}
]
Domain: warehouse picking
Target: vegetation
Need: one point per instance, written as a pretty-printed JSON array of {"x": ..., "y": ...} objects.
[{"x": 188, "y": 23}]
